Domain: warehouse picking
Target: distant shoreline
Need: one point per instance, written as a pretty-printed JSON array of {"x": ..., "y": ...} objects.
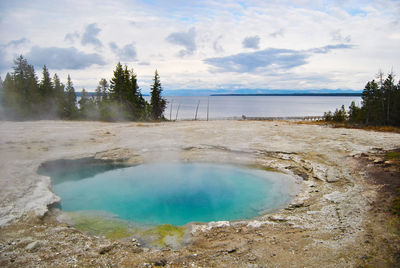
[
  {"x": 93, "y": 94},
  {"x": 293, "y": 94}
]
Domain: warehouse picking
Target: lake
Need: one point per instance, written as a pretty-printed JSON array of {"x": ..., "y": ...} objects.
[{"x": 221, "y": 107}]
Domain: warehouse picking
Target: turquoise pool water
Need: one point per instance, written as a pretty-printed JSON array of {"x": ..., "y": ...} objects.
[{"x": 175, "y": 193}]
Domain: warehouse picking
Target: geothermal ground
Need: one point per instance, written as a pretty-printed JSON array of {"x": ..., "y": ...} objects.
[{"x": 340, "y": 217}]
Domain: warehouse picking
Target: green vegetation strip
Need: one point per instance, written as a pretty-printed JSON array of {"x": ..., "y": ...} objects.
[{"x": 113, "y": 228}]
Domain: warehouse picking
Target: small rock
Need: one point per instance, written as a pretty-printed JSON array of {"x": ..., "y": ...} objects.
[
  {"x": 231, "y": 250},
  {"x": 297, "y": 205},
  {"x": 32, "y": 246},
  {"x": 332, "y": 179},
  {"x": 277, "y": 218},
  {"x": 378, "y": 161},
  {"x": 161, "y": 262},
  {"x": 106, "y": 249},
  {"x": 252, "y": 258},
  {"x": 388, "y": 163}
]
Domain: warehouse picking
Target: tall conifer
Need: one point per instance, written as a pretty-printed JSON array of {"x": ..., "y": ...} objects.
[
  {"x": 70, "y": 109},
  {"x": 157, "y": 102},
  {"x": 46, "y": 91}
]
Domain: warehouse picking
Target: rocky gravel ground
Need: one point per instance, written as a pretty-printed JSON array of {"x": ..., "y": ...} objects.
[{"x": 341, "y": 217}]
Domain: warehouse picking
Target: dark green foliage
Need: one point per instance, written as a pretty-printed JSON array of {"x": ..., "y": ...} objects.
[
  {"x": 380, "y": 105},
  {"x": 355, "y": 113},
  {"x": 157, "y": 102},
  {"x": 70, "y": 109},
  {"x": 340, "y": 115},
  {"x": 22, "y": 97},
  {"x": 125, "y": 99},
  {"x": 46, "y": 95},
  {"x": 328, "y": 116},
  {"x": 1, "y": 89},
  {"x": 117, "y": 88},
  {"x": 1, "y": 99},
  {"x": 102, "y": 91},
  {"x": 84, "y": 103},
  {"x": 59, "y": 97}
]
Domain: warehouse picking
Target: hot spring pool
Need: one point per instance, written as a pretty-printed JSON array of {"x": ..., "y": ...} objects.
[{"x": 175, "y": 193}]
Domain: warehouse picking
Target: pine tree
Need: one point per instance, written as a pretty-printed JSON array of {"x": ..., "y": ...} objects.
[
  {"x": 59, "y": 98},
  {"x": 1, "y": 91},
  {"x": 355, "y": 114},
  {"x": 1, "y": 100},
  {"x": 396, "y": 106},
  {"x": 9, "y": 95},
  {"x": 102, "y": 109},
  {"x": 117, "y": 84},
  {"x": 47, "y": 94},
  {"x": 125, "y": 94},
  {"x": 157, "y": 102},
  {"x": 84, "y": 103},
  {"x": 137, "y": 102},
  {"x": 21, "y": 91},
  {"x": 340, "y": 115},
  {"x": 372, "y": 103},
  {"x": 388, "y": 90},
  {"x": 70, "y": 109},
  {"x": 101, "y": 90}
]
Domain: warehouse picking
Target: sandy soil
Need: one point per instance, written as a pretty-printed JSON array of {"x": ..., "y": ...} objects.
[{"x": 333, "y": 221}]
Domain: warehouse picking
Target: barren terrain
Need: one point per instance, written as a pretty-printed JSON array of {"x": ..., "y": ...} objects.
[{"x": 340, "y": 218}]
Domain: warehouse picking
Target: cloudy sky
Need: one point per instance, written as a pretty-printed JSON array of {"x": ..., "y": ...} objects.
[{"x": 210, "y": 44}]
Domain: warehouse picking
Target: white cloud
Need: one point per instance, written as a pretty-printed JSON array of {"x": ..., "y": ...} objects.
[{"x": 165, "y": 31}]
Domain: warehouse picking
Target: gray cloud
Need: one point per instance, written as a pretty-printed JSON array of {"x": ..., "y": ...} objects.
[
  {"x": 249, "y": 62},
  {"x": 271, "y": 58},
  {"x": 277, "y": 33},
  {"x": 62, "y": 58},
  {"x": 217, "y": 47},
  {"x": 71, "y": 37},
  {"x": 89, "y": 37},
  {"x": 337, "y": 36},
  {"x": 18, "y": 42},
  {"x": 185, "y": 39},
  {"x": 251, "y": 42},
  {"x": 5, "y": 61},
  {"x": 326, "y": 49},
  {"x": 126, "y": 53},
  {"x": 4, "y": 64}
]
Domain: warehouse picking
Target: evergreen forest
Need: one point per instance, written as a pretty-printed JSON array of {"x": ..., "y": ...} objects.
[
  {"x": 380, "y": 105},
  {"x": 23, "y": 97}
]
